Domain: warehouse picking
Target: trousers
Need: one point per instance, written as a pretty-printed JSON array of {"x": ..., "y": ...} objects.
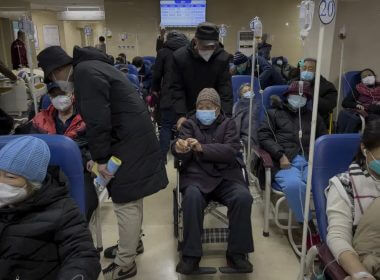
[{"x": 238, "y": 200}]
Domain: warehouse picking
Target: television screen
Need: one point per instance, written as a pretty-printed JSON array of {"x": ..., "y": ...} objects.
[{"x": 182, "y": 13}]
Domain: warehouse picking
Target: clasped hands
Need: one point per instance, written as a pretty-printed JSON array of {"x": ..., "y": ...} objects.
[{"x": 185, "y": 146}]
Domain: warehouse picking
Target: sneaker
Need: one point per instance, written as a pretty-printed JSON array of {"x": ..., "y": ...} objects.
[
  {"x": 239, "y": 262},
  {"x": 188, "y": 265},
  {"x": 116, "y": 272},
  {"x": 110, "y": 253}
]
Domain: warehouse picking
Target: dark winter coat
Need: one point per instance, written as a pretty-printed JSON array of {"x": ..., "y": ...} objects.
[
  {"x": 284, "y": 123},
  {"x": 146, "y": 75},
  {"x": 327, "y": 98},
  {"x": 219, "y": 159},
  {"x": 267, "y": 75},
  {"x": 241, "y": 118},
  {"x": 118, "y": 124},
  {"x": 46, "y": 238},
  {"x": 264, "y": 50},
  {"x": 163, "y": 68},
  {"x": 191, "y": 73},
  {"x": 351, "y": 101}
]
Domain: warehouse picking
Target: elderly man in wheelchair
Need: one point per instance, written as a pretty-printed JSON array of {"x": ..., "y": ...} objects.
[{"x": 208, "y": 148}]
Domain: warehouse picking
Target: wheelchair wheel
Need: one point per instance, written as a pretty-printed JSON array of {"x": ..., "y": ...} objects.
[{"x": 175, "y": 214}]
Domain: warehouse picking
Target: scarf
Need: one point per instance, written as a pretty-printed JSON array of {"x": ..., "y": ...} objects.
[{"x": 368, "y": 95}]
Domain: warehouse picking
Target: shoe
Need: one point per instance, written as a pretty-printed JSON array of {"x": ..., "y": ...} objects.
[
  {"x": 239, "y": 262},
  {"x": 116, "y": 272},
  {"x": 188, "y": 265},
  {"x": 110, "y": 253}
]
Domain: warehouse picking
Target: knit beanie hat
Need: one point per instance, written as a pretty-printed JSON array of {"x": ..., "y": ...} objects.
[
  {"x": 240, "y": 58},
  {"x": 26, "y": 156},
  {"x": 52, "y": 58},
  {"x": 209, "y": 94},
  {"x": 297, "y": 86},
  {"x": 207, "y": 31}
]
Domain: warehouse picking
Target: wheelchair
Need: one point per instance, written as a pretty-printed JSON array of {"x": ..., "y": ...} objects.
[{"x": 210, "y": 235}]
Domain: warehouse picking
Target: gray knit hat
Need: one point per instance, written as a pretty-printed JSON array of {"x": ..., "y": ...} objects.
[{"x": 209, "y": 94}]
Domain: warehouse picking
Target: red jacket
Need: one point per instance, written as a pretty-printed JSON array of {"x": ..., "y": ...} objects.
[
  {"x": 18, "y": 52},
  {"x": 44, "y": 122}
]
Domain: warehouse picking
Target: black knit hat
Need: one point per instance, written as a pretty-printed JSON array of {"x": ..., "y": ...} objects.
[
  {"x": 52, "y": 58},
  {"x": 207, "y": 31}
]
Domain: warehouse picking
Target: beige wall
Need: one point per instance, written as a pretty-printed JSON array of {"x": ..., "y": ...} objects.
[
  {"x": 70, "y": 32},
  {"x": 142, "y": 18},
  {"x": 362, "y": 45},
  {"x": 41, "y": 18}
]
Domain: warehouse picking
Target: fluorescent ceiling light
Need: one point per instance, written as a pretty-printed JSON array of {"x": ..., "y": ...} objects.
[{"x": 81, "y": 15}]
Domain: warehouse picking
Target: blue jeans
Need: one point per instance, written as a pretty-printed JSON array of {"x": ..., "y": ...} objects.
[
  {"x": 292, "y": 182},
  {"x": 168, "y": 117}
]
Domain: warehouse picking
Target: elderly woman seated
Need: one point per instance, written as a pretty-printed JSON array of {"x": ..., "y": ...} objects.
[
  {"x": 42, "y": 233},
  {"x": 353, "y": 208}
]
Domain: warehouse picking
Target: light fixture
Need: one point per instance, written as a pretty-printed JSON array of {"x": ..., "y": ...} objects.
[{"x": 87, "y": 13}]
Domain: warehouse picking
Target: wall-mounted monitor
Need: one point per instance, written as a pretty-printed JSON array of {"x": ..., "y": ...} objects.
[{"x": 182, "y": 13}]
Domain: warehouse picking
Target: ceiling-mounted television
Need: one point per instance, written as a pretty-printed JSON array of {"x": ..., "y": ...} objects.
[{"x": 182, "y": 13}]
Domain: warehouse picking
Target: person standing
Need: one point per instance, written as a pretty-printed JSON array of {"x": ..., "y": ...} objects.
[
  {"x": 160, "y": 39},
  {"x": 118, "y": 124},
  {"x": 18, "y": 51},
  {"x": 102, "y": 44},
  {"x": 202, "y": 64},
  {"x": 160, "y": 85}
]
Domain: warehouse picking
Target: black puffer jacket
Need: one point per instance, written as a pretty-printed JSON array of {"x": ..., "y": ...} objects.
[
  {"x": 219, "y": 160},
  {"x": 285, "y": 124},
  {"x": 46, "y": 238},
  {"x": 118, "y": 124},
  {"x": 163, "y": 68},
  {"x": 191, "y": 74}
]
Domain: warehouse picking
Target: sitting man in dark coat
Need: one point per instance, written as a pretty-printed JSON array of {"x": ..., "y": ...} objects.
[
  {"x": 208, "y": 146},
  {"x": 42, "y": 233}
]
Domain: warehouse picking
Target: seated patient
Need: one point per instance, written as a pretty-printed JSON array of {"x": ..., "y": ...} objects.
[
  {"x": 62, "y": 118},
  {"x": 353, "y": 208},
  {"x": 208, "y": 146},
  {"x": 285, "y": 135},
  {"x": 240, "y": 114},
  {"x": 42, "y": 233},
  {"x": 365, "y": 98}
]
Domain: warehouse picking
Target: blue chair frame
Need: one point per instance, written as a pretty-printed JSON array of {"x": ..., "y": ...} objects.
[
  {"x": 350, "y": 80},
  {"x": 151, "y": 59},
  {"x": 333, "y": 154},
  {"x": 266, "y": 98},
  {"x": 65, "y": 154},
  {"x": 132, "y": 70},
  {"x": 238, "y": 80}
]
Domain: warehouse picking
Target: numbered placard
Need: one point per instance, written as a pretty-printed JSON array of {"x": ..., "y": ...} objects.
[{"x": 327, "y": 11}]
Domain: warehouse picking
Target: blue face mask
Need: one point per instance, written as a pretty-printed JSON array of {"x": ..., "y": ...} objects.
[
  {"x": 206, "y": 117},
  {"x": 374, "y": 165},
  {"x": 296, "y": 101},
  {"x": 248, "y": 94},
  {"x": 307, "y": 76}
]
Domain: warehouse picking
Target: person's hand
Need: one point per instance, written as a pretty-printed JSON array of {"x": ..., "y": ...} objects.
[
  {"x": 182, "y": 146},
  {"x": 155, "y": 93},
  {"x": 360, "y": 107},
  {"x": 90, "y": 165},
  {"x": 180, "y": 122},
  {"x": 162, "y": 32},
  {"x": 103, "y": 171},
  {"x": 194, "y": 144},
  {"x": 284, "y": 162}
]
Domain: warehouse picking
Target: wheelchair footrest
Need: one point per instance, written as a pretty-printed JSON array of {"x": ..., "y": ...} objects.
[
  {"x": 215, "y": 235},
  {"x": 230, "y": 270}
]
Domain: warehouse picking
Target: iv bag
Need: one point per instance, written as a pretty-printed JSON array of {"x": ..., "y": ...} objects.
[
  {"x": 306, "y": 17},
  {"x": 258, "y": 28}
]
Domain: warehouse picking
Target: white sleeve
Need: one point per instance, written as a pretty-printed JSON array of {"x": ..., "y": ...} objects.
[{"x": 339, "y": 214}]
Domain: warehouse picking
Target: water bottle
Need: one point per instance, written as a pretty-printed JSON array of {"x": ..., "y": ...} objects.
[{"x": 112, "y": 166}]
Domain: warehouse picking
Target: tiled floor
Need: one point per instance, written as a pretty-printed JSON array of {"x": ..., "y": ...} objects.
[{"x": 273, "y": 259}]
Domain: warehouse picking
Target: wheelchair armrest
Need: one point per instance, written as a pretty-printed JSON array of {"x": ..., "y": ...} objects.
[
  {"x": 333, "y": 269},
  {"x": 264, "y": 156}
]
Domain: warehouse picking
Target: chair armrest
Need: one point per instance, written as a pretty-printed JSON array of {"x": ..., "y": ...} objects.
[
  {"x": 333, "y": 269},
  {"x": 264, "y": 156}
]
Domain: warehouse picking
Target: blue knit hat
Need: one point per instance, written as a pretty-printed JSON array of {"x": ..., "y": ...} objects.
[
  {"x": 26, "y": 156},
  {"x": 240, "y": 58}
]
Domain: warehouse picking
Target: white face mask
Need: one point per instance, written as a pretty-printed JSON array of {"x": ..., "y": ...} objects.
[
  {"x": 62, "y": 102},
  {"x": 369, "y": 81},
  {"x": 280, "y": 62},
  {"x": 65, "y": 86},
  {"x": 206, "y": 55},
  {"x": 11, "y": 195}
]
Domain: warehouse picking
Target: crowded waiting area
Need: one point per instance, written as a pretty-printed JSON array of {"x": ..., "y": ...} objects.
[{"x": 189, "y": 139}]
